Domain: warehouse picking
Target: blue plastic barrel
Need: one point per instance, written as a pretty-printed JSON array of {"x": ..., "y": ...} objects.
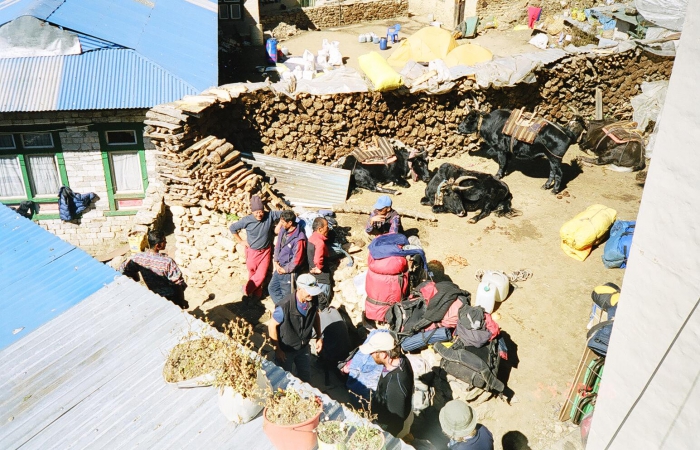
[
  {"x": 382, "y": 44},
  {"x": 271, "y": 50}
]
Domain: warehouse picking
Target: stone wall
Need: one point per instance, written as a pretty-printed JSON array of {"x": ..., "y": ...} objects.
[
  {"x": 94, "y": 231},
  {"x": 509, "y": 12},
  {"x": 345, "y": 13},
  {"x": 322, "y": 129}
]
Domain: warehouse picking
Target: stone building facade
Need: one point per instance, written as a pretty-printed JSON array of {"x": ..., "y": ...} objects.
[
  {"x": 327, "y": 15},
  {"x": 90, "y": 151}
]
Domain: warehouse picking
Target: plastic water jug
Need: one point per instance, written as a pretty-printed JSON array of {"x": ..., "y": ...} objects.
[
  {"x": 486, "y": 295},
  {"x": 382, "y": 44},
  {"x": 500, "y": 281}
]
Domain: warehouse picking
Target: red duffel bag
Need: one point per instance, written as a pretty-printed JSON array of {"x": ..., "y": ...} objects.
[{"x": 386, "y": 284}]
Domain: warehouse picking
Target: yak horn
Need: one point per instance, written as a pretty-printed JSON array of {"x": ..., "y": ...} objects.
[
  {"x": 460, "y": 188},
  {"x": 573, "y": 110},
  {"x": 459, "y": 180}
]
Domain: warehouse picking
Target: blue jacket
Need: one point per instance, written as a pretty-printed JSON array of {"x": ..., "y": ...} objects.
[
  {"x": 388, "y": 245},
  {"x": 72, "y": 205},
  {"x": 290, "y": 250}
]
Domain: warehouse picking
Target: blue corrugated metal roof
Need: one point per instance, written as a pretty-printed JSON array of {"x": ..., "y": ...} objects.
[
  {"x": 178, "y": 35},
  {"x": 100, "y": 79},
  {"x": 89, "y": 43},
  {"x": 41, "y": 276}
]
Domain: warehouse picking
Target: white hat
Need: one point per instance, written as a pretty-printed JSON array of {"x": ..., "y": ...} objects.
[
  {"x": 379, "y": 342},
  {"x": 308, "y": 283}
]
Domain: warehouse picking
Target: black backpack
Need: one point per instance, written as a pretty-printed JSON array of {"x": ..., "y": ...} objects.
[
  {"x": 416, "y": 313},
  {"x": 475, "y": 366}
]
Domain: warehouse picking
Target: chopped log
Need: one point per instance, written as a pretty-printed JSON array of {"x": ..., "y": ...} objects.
[
  {"x": 359, "y": 209},
  {"x": 276, "y": 199},
  {"x": 245, "y": 179},
  {"x": 197, "y": 146},
  {"x": 174, "y": 128},
  {"x": 216, "y": 156},
  {"x": 173, "y": 177},
  {"x": 227, "y": 170},
  {"x": 228, "y": 159},
  {"x": 170, "y": 111}
]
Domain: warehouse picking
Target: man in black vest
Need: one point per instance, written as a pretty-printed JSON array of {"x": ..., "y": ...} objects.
[{"x": 291, "y": 327}]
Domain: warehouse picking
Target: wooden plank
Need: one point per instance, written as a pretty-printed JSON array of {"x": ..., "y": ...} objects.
[{"x": 586, "y": 358}]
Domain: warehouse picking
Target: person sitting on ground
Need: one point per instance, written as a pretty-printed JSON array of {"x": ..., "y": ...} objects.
[
  {"x": 289, "y": 258},
  {"x": 317, "y": 255},
  {"x": 160, "y": 273},
  {"x": 383, "y": 219},
  {"x": 458, "y": 422},
  {"x": 258, "y": 244},
  {"x": 291, "y": 326},
  {"x": 392, "y": 401}
]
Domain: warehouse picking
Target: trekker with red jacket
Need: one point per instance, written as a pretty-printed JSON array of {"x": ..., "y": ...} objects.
[
  {"x": 289, "y": 258},
  {"x": 317, "y": 255}
]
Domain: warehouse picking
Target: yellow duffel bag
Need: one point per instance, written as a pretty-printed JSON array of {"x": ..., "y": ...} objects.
[
  {"x": 580, "y": 234},
  {"x": 382, "y": 76}
]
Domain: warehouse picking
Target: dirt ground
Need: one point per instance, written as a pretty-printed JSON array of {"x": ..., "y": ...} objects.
[
  {"x": 545, "y": 316},
  {"x": 500, "y": 43}
]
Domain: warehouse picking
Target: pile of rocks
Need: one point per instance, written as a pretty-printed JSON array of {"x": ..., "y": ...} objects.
[
  {"x": 204, "y": 246},
  {"x": 283, "y": 31}
]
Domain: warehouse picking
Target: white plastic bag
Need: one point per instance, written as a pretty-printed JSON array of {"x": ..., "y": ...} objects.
[
  {"x": 309, "y": 59},
  {"x": 540, "y": 41},
  {"x": 335, "y": 58}
]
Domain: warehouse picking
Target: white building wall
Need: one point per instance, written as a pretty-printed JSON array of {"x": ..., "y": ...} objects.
[{"x": 650, "y": 396}]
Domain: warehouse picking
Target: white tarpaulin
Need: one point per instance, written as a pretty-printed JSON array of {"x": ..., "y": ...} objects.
[
  {"x": 27, "y": 36},
  {"x": 664, "y": 13}
]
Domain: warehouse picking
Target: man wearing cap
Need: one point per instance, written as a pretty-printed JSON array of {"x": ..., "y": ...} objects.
[
  {"x": 289, "y": 258},
  {"x": 258, "y": 244},
  {"x": 291, "y": 327},
  {"x": 458, "y": 422},
  {"x": 383, "y": 219},
  {"x": 392, "y": 400}
]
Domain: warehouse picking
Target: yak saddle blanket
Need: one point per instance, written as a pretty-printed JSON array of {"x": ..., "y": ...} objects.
[
  {"x": 381, "y": 152},
  {"x": 523, "y": 126},
  {"x": 623, "y": 132}
]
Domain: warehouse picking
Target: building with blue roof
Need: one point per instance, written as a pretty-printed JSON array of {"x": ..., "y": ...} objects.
[
  {"x": 83, "y": 348},
  {"x": 76, "y": 80}
]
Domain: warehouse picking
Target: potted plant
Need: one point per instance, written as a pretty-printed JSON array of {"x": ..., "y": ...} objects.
[
  {"x": 366, "y": 435},
  {"x": 289, "y": 420},
  {"x": 331, "y": 435},
  {"x": 242, "y": 383},
  {"x": 193, "y": 361}
]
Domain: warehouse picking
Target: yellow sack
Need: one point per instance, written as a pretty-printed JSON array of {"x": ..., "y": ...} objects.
[
  {"x": 580, "y": 234},
  {"x": 382, "y": 76}
]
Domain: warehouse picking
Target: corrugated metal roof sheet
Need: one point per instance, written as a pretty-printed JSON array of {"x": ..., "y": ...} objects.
[
  {"x": 178, "y": 35},
  {"x": 89, "y": 43},
  {"x": 92, "y": 378},
  {"x": 100, "y": 79},
  {"x": 302, "y": 183},
  {"x": 41, "y": 276},
  {"x": 30, "y": 84}
]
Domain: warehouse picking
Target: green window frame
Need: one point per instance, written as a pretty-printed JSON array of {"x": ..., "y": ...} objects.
[
  {"x": 23, "y": 153},
  {"x": 109, "y": 149}
]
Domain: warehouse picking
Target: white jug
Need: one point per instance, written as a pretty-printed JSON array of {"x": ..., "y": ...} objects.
[
  {"x": 500, "y": 281},
  {"x": 487, "y": 296}
]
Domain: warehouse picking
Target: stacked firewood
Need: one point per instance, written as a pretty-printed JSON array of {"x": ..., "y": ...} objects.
[{"x": 209, "y": 172}]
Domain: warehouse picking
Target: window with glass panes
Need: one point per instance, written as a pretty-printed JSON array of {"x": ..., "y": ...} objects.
[
  {"x": 31, "y": 166},
  {"x": 124, "y": 163}
]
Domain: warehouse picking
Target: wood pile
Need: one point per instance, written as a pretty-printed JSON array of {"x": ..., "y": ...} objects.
[{"x": 209, "y": 172}]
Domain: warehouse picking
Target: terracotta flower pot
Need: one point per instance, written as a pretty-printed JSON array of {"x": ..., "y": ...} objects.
[{"x": 292, "y": 437}]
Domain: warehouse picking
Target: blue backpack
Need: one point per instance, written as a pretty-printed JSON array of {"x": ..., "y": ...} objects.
[{"x": 617, "y": 248}]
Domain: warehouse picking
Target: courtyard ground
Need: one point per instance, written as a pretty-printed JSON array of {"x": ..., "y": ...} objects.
[{"x": 545, "y": 317}]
